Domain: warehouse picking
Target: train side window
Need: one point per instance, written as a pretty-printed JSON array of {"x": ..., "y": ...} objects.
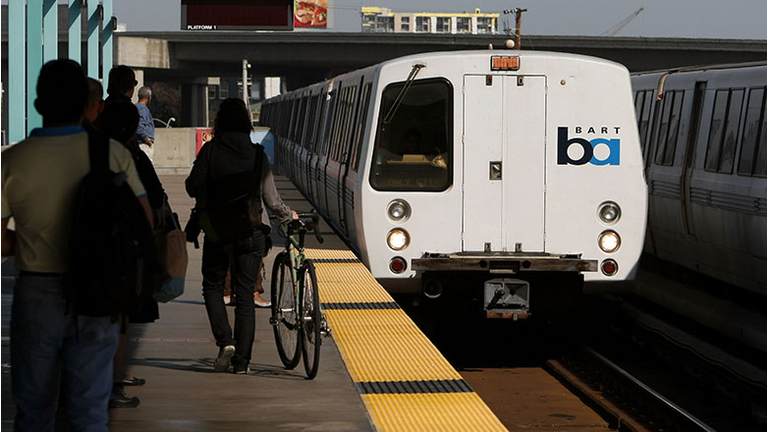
[
  {"x": 413, "y": 151},
  {"x": 733, "y": 120},
  {"x": 716, "y": 128},
  {"x": 753, "y": 137},
  {"x": 362, "y": 118},
  {"x": 320, "y": 119},
  {"x": 645, "y": 119},
  {"x": 661, "y": 141},
  {"x": 674, "y": 128},
  {"x": 639, "y": 98}
]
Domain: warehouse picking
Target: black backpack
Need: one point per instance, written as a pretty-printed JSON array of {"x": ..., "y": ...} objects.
[
  {"x": 112, "y": 249},
  {"x": 233, "y": 201}
]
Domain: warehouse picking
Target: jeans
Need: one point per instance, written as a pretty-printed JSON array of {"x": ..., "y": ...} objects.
[
  {"x": 244, "y": 258},
  {"x": 54, "y": 351}
]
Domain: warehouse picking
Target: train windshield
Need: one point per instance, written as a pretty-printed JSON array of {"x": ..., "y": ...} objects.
[{"x": 413, "y": 151}]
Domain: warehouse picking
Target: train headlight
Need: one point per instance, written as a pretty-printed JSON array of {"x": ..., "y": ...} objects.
[
  {"x": 398, "y": 210},
  {"x": 609, "y": 212},
  {"x": 398, "y": 239},
  {"x": 609, "y": 241}
]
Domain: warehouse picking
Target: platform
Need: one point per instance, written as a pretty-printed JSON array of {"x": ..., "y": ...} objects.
[{"x": 377, "y": 371}]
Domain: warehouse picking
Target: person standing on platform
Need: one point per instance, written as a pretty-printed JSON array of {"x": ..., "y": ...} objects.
[
  {"x": 146, "y": 132},
  {"x": 122, "y": 84},
  {"x": 229, "y": 153},
  {"x": 53, "y": 350}
]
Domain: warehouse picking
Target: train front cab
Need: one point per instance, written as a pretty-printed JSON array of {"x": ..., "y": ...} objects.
[{"x": 518, "y": 220}]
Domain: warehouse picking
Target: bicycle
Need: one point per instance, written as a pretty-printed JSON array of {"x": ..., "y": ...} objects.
[{"x": 294, "y": 279}]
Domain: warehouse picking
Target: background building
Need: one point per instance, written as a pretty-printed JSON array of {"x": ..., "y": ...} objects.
[{"x": 376, "y": 19}]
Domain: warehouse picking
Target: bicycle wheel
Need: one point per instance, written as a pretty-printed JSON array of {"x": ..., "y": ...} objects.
[
  {"x": 311, "y": 319},
  {"x": 284, "y": 315}
]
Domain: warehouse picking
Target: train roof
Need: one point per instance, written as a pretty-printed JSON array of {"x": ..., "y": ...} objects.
[
  {"x": 704, "y": 68},
  {"x": 480, "y": 54}
]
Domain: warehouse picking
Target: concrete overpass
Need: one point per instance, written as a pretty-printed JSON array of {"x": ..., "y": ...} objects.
[{"x": 189, "y": 58}]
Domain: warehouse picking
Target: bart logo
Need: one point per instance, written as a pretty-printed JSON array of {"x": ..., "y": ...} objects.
[{"x": 589, "y": 146}]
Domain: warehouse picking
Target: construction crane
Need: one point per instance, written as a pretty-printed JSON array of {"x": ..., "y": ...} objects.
[{"x": 617, "y": 28}]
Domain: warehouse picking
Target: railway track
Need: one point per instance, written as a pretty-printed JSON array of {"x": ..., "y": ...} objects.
[{"x": 627, "y": 370}]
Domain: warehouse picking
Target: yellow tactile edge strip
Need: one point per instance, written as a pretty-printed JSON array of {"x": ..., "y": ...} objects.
[{"x": 404, "y": 381}]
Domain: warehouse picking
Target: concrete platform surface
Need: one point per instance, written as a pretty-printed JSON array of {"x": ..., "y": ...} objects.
[{"x": 175, "y": 355}]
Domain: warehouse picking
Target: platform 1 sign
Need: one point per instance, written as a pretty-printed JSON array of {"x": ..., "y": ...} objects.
[{"x": 237, "y": 14}]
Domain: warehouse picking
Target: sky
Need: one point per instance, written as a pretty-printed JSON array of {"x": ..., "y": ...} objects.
[{"x": 727, "y": 19}]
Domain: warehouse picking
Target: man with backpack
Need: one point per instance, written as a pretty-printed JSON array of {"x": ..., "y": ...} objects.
[
  {"x": 230, "y": 178},
  {"x": 54, "y": 348}
]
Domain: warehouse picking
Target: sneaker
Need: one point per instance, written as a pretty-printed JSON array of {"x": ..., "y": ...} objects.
[
  {"x": 225, "y": 355},
  {"x": 227, "y": 299},
  {"x": 262, "y": 303},
  {"x": 246, "y": 371},
  {"x": 118, "y": 398}
]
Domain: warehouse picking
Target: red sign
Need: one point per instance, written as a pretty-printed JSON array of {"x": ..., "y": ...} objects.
[
  {"x": 310, "y": 13},
  {"x": 202, "y": 136}
]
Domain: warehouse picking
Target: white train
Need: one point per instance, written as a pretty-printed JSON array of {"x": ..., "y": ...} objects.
[
  {"x": 703, "y": 133},
  {"x": 507, "y": 177}
]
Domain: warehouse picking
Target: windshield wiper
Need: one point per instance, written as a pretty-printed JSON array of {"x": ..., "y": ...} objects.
[{"x": 399, "y": 99}]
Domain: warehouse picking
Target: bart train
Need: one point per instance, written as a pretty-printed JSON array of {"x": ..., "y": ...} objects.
[
  {"x": 703, "y": 134},
  {"x": 508, "y": 177}
]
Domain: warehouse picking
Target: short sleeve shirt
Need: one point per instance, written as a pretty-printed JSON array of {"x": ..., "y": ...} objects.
[{"x": 41, "y": 177}]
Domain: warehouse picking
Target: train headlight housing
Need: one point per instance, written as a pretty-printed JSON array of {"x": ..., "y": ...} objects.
[
  {"x": 609, "y": 267},
  {"x": 609, "y": 241},
  {"x": 398, "y": 210},
  {"x": 609, "y": 212},
  {"x": 398, "y": 239}
]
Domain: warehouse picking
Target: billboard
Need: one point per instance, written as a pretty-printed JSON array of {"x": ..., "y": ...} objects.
[
  {"x": 310, "y": 13},
  {"x": 237, "y": 14}
]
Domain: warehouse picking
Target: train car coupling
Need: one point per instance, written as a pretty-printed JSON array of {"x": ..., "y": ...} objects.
[{"x": 507, "y": 298}]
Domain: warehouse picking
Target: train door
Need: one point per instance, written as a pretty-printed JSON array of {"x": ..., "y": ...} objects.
[{"x": 504, "y": 151}]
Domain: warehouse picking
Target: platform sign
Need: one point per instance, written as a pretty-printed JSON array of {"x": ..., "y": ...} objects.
[{"x": 237, "y": 14}]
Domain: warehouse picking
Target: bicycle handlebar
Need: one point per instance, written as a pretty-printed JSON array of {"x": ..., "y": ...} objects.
[{"x": 314, "y": 226}]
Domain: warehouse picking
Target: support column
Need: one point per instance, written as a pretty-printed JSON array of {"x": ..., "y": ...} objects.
[
  {"x": 75, "y": 29},
  {"x": 93, "y": 41},
  {"x": 17, "y": 130},
  {"x": 50, "y": 31},
  {"x": 34, "y": 59},
  {"x": 106, "y": 39}
]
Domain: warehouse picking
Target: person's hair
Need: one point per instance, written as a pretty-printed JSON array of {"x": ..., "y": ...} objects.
[
  {"x": 95, "y": 91},
  {"x": 233, "y": 116},
  {"x": 145, "y": 93},
  {"x": 119, "y": 120},
  {"x": 121, "y": 80},
  {"x": 62, "y": 91}
]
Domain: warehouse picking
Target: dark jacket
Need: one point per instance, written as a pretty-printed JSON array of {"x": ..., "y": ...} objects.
[{"x": 229, "y": 153}]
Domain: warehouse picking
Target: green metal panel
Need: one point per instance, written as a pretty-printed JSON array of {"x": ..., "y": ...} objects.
[
  {"x": 93, "y": 39},
  {"x": 50, "y": 31},
  {"x": 17, "y": 130},
  {"x": 34, "y": 59},
  {"x": 75, "y": 31}
]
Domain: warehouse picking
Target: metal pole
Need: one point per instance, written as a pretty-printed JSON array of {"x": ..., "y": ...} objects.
[
  {"x": 106, "y": 38},
  {"x": 93, "y": 40},
  {"x": 75, "y": 31},
  {"x": 518, "y": 21},
  {"x": 17, "y": 130},
  {"x": 34, "y": 59},
  {"x": 51, "y": 31},
  {"x": 246, "y": 99}
]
